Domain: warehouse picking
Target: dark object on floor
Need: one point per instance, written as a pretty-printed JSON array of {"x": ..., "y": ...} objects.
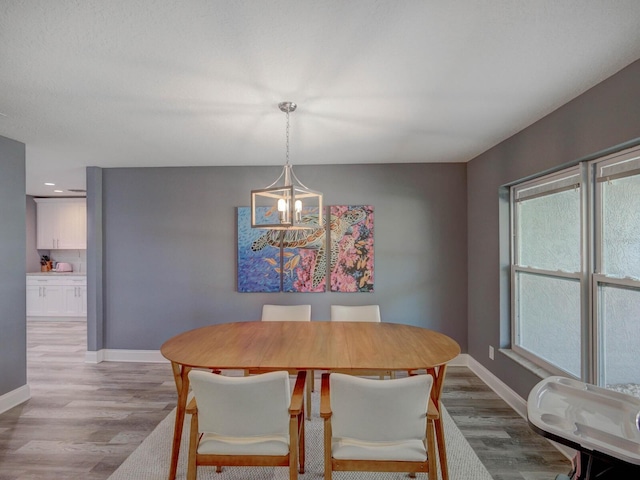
[{"x": 602, "y": 467}]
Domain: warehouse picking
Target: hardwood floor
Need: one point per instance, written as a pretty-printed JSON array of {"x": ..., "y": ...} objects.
[
  {"x": 501, "y": 438},
  {"x": 83, "y": 420}
]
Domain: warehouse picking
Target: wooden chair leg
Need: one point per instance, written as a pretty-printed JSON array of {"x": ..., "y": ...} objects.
[
  {"x": 431, "y": 451},
  {"x": 293, "y": 467},
  {"x": 301, "y": 443},
  {"x": 193, "y": 447},
  {"x": 294, "y": 441},
  {"x": 327, "y": 449},
  {"x": 309, "y": 386},
  {"x": 442, "y": 449}
]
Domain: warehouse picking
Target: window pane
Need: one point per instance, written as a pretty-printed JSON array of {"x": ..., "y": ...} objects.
[
  {"x": 620, "y": 335},
  {"x": 549, "y": 319},
  {"x": 621, "y": 227},
  {"x": 549, "y": 232}
]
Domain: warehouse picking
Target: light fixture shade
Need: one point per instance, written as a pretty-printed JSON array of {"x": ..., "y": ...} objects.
[
  {"x": 286, "y": 207},
  {"x": 289, "y": 206}
]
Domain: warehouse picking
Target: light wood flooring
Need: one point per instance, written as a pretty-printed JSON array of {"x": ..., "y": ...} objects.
[{"x": 83, "y": 420}]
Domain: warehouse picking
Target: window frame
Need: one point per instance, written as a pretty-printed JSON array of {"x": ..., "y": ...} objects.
[
  {"x": 557, "y": 177},
  {"x": 597, "y": 277},
  {"x": 590, "y": 275},
  {"x": 593, "y": 174}
]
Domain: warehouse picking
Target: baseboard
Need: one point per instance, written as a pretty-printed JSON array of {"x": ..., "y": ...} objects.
[
  {"x": 514, "y": 400},
  {"x": 56, "y": 319},
  {"x": 94, "y": 356},
  {"x": 14, "y": 398},
  {"x": 118, "y": 355},
  {"x": 462, "y": 360}
]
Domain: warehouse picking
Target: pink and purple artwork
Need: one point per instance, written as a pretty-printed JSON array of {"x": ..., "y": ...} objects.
[{"x": 351, "y": 248}]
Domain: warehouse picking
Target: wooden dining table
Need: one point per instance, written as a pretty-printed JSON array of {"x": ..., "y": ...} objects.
[{"x": 331, "y": 346}]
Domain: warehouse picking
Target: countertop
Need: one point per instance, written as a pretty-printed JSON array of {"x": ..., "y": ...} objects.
[{"x": 55, "y": 274}]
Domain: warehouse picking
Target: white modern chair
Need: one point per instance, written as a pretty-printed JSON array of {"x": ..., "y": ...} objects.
[
  {"x": 377, "y": 425},
  {"x": 246, "y": 421},
  {"x": 364, "y": 313},
  {"x": 286, "y": 313},
  {"x": 291, "y": 313}
]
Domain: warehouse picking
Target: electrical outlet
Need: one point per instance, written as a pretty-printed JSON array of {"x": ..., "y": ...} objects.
[{"x": 490, "y": 352}]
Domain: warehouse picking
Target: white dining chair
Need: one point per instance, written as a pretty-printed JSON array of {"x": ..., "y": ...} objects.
[
  {"x": 363, "y": 313},
  {"x": 377, "y": 426},
  {"x": 286, "y": 313},
  {"x": 246, "y": 421}
]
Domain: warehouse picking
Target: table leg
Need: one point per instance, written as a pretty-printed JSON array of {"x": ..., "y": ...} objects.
[
  {"x": 180, "y": 376},
  {"x": 438, "y": 374}
]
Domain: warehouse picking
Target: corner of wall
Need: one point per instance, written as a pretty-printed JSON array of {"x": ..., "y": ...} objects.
[{"x": 14, "y": 398}]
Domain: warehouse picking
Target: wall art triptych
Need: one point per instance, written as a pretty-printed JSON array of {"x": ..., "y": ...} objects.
[{"x": 308, "y": 260}]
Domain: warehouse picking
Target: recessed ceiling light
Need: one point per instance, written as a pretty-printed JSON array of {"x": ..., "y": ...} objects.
[
  {"x": 49, "y": 184},
  {"x": 57, "y": 191}
]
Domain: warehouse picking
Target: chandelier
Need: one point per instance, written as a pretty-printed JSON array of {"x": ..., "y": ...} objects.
[{"x": 289, "y": 205}]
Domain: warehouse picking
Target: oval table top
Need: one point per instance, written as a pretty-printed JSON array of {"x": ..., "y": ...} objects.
[{"x": 316, "y": 345}]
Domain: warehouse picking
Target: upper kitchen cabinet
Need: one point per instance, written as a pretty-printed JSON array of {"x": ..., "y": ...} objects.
[{"x": 61, "y": 223}]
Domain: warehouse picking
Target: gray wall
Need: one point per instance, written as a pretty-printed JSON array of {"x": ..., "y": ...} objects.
[
  {"x": 95, "y": 261},
  {"x": 13, "y": 368},
  {"x": 606, "y": 116},
  {"x": 170, "y": 247},
  {"x": 33, "y": 257}
]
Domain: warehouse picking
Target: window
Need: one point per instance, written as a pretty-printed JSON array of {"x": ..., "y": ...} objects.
[
  {"x": 575, "y": 270},
  {"x": 617, "y": 277}
]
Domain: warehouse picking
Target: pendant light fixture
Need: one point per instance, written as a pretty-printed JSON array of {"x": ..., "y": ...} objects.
[{"x": 290, "y": 205}]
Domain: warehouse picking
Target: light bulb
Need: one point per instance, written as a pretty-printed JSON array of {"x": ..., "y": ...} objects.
[
  {"x": 283, "y": 210},
  {"x": 298, "y": 210}
]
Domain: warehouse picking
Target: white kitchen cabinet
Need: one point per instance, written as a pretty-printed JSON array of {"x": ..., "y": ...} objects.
[
  {"x": 35, "y": 301},
  {"x": 61, "y": 223},
  {"x": 75, "y": 299},
  {"x": 51, "y": 295},
  {"x": 44, "y": 298}
]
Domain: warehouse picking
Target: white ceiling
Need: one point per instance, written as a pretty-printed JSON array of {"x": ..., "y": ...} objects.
[{"x": 124, "y": 83}]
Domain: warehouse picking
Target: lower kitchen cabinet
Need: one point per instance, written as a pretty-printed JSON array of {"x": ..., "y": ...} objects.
[
  {"x": 75, "y": 300},
  {"x": 56, "y": 296},
  {"x": 44, "y": 300}
]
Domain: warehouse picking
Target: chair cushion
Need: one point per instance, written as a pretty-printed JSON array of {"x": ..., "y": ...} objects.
[
  {"x": 379, "y": 410},
  {"x": 352, "y": 449},
  {"x": 242, "y": 406},
  {"x": 211, "y": 444}
]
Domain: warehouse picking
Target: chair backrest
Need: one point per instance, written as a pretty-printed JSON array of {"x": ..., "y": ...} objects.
[
  {"x": 379, "y": 410},
  {"x": 365, "y": 313},
  {"x": 242, "y": 406},
  {"x": 286, "y": 313}
]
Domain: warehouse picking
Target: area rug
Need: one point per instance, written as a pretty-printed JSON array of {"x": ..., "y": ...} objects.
[{"x": 150, "y": 461}]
